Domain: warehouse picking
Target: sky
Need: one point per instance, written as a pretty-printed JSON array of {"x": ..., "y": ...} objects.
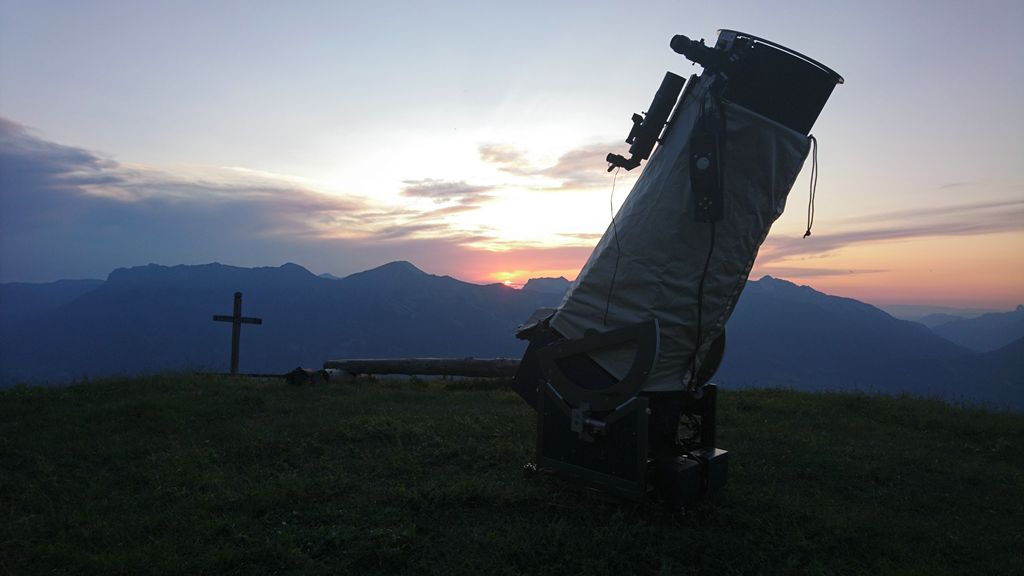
[{"x": 469, "y": 137}]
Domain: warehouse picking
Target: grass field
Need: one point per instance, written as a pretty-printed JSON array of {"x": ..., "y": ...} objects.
[{"x": 213, "y": 475}]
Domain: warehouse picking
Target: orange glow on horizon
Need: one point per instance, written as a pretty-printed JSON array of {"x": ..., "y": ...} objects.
[
  {"x": 516, "y": 266},
  {"x": 518, "y": 278},
  {"x": 983, "y": 271}
]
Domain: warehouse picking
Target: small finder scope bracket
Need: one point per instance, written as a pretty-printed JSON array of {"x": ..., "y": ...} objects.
[{"x": 647, "y": 128}]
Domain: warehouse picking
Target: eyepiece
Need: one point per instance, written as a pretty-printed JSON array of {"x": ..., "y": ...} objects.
[
  {"x": 680, "y": 43},
  {"x": 695, "y": 51}
]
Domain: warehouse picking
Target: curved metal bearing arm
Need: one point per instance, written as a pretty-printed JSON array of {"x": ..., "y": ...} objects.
[{"x": 644, "y": 335}]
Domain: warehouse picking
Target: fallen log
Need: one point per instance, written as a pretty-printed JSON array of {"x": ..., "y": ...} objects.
[{"x": 468, "y": 367}]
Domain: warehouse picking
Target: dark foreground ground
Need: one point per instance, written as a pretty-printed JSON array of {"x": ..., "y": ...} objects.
[{"x": 210, "y": 475}]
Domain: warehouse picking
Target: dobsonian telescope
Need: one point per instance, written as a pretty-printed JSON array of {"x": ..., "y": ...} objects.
[{"x": 619, "y": 373}]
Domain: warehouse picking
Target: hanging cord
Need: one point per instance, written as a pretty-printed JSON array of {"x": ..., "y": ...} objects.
[
  {"x": 618, "y": 253},
  {"x": 814, "y": 185},
  {"x": 707, "y": 264},
  {"x": 700, "y": 308}
]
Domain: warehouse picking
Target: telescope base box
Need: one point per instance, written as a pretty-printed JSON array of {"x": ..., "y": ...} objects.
[{"x": 615, "y": 458}]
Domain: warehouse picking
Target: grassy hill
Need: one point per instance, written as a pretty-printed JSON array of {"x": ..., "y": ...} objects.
[{"x": 208, "y": 475}]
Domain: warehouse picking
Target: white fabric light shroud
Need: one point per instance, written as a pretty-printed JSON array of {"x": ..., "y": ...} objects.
[{"x": 658, "y": 259}]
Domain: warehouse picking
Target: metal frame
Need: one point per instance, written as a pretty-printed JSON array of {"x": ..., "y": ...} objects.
[{"x": 644, "y": 334}]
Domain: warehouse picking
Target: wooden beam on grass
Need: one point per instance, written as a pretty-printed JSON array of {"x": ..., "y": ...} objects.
[{"x": 468, "y": 367}]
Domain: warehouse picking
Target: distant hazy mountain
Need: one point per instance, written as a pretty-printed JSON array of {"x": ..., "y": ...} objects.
[
  {"x": 1003, "y": 368},
  {"x": 155, "y": 318},
  {"x": 160, "y": 318},
  {"x": 548, "y": 285},
  {"x": 985, "y": 333},
  {"x": 793, "y": 336},
  {"x": 938, "y": 319},
  {"x": 21, "y": 300},
  {"x": 925, "y": 314}
]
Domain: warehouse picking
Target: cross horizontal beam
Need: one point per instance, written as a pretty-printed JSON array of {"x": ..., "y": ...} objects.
[{"x": 241, "y": 319}]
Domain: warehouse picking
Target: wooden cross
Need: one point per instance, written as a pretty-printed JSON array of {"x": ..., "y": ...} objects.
[{"x": 236, "y": 320}]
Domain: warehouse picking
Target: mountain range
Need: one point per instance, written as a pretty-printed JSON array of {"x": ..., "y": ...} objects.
[
  {"x": 157, "y": 318},
  {"x": 985, "y": 333}
]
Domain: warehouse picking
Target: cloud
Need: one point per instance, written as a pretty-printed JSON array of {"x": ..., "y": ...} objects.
[
  {"x": 592, "y": 237},
  {"x": 441, "y": 191},
  {"x": 35, "y": 172},
  {"x": 70, "y": 212},
  {"x": 966, "y": 219},
  {"x": 951, "y": 185},
  {"x": 29, "y": 162},
  {"x": 580, "y": 168},
  {"x": 442, "y": 212},
  {"x": 794, "y": 272},
  {"x": 508, "y": 157},
  {"x": 583, "y": 167},
  {"x": 939, "y": 214}
]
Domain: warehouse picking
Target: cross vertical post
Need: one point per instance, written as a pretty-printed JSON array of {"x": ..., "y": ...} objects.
[
  {"x": 236, "y": 320},
  {"x": 236, "y": 332}
]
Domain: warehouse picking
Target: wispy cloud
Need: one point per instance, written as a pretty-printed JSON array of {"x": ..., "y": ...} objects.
[
  {"x": 951, "y": 185},
  {"x": 966, "y": 211},
  {"x": 509, "y": 158},
  {"x": 583, "y": 167},
  {"x": 579, "y": 168},
  {"x": 796, "y": 272},
  {"x": 965, "y": 219},
  {"x": 590, "y": 237},
  {"x": 441, "y": 191}
]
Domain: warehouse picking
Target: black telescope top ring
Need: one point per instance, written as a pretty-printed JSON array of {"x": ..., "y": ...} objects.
[
  {"x": 712, "y": 57},
  {"x": 765, "y": 77},
  {"x": 809, "y": 60}
]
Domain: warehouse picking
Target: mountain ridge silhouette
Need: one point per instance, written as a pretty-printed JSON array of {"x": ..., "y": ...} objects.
[{"x": 158, "y": 318}]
